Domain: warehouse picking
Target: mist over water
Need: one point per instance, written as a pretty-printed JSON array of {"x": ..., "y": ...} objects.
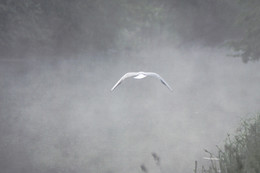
[{"x": 60, "y": 116}]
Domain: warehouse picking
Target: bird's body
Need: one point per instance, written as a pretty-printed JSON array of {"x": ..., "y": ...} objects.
[{"x": 140, "y": 75}]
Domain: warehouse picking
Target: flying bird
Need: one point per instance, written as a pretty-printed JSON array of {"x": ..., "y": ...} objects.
[{"x": 141, "y": 75}]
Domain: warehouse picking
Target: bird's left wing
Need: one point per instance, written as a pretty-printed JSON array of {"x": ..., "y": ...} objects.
[
  {"x": 161, "y": 79},
  {"x": 127, "y": 75}
]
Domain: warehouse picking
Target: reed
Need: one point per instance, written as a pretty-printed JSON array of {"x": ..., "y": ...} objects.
[{"x": 241, "y": 152}]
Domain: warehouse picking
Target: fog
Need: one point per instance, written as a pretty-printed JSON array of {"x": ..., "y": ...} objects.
[
  {"x": 60, "y": 59},
  {"x": 60, "y": 116}
]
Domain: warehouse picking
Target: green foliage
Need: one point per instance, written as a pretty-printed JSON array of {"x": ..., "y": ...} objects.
[
  {"x": 214, "y": 22},
  {"x": 248, "y": 20},
  {"x": 143, "y": 21},
  {"x": 240, "y": 154},
  {"x": 61, "y": 26},
  {"x": 57, "y": 25}
]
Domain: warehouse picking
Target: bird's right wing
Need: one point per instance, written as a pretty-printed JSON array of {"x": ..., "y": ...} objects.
[{"x": 127, "y": 75}]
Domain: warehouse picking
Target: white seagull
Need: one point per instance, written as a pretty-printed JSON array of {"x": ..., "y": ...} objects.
[{"x": 140, "y": 75}]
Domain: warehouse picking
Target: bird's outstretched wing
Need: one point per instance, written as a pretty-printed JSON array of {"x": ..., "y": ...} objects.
[
  {"x": 127, "y": 75},
  {"x": 161, "y": 79}
]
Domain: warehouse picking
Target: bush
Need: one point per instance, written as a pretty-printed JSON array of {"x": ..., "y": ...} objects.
[{"x": 241, "y": 153}]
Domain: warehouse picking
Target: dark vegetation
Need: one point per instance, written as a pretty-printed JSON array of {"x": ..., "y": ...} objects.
[
  {"x": 58, "y": 27},
  {"x": 241, "y": 153}
]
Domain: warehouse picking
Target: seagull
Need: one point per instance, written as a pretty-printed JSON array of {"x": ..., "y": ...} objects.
[{"x": 141, "y": 75}]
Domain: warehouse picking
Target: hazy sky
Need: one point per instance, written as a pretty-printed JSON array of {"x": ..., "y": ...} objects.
[{"x": 60, "y": 116}]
